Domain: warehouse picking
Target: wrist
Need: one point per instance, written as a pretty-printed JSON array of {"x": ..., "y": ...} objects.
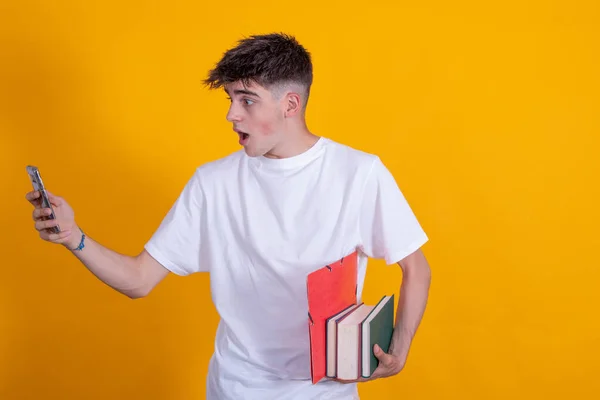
[
  {"x": 400, "y": 346},
  {"x": 75, "y": 239}
]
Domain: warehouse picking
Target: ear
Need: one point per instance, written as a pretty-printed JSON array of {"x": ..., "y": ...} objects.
[{"x": 293, "y": 104}]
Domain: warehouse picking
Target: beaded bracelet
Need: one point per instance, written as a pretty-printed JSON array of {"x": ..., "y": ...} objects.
[{"x": 81, "y": 244}]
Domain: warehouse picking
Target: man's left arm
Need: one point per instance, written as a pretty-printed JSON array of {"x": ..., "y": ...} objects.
[
  {"x": 414, "y": 291},
  {"x": 389, "y": 230}
]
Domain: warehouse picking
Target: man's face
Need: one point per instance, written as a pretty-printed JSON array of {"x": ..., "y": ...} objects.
[{"x": 257, "y": 117}]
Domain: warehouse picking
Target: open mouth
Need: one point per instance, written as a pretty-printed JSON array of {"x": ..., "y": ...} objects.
[{"x": 243, "y": 137}]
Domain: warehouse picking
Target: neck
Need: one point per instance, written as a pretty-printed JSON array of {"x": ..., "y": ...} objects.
[{"x": 295, "y": 141}]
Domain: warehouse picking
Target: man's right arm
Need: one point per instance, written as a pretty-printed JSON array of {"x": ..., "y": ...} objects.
[{"x": 134, "y": 277}]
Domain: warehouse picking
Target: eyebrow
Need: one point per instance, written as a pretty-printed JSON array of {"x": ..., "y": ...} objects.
[{"x": 243, "y": 91}]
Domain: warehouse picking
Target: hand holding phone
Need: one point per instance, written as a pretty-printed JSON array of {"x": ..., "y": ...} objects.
[
  {"x": 38, "y": 185},
  {"x": 50, "y": 210}
]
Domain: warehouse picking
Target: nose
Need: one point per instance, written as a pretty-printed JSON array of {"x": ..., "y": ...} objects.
[{"x": 233, "y": 114}]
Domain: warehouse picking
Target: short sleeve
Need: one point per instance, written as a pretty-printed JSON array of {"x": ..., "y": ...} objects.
[
  {"x": 177, "y": 242},
  {"x": 388, "y": 228}
]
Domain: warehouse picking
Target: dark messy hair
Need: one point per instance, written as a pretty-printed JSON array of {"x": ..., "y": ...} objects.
[{"x": 268, "y": 60}]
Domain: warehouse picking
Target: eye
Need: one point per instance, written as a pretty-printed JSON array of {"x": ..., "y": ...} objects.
[{"x": 248, "y": 102}]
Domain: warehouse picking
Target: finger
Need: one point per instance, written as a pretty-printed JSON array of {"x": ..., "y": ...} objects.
[
  {"x": 379, "y": 373},
  {"x": 33, "y": 197},
  {"x": 39, "y": 213},
  {"x": 349, "y": 380},
  {"x": 382, "y": 356},
  {"x": 41, "y": 225},
  {"x": 375, "y": 376},
  {"x": 55, "y": 237}
]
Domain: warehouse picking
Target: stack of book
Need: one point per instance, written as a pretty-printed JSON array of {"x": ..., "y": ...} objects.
[
  {"x": 351, "y": 335},
  {"x": 343, "y": 331}
]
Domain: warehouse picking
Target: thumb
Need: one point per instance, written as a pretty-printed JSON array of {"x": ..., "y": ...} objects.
[{"x": 381, "y": 355}]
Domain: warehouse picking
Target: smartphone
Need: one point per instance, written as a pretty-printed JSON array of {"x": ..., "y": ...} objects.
[{"x": 38, "y": 185}]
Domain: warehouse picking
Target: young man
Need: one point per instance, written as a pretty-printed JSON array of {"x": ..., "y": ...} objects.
[{"x": 260, "y": 220}]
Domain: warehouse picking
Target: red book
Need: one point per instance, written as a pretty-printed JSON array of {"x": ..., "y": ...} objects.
[{"x": 330, "y": 290}]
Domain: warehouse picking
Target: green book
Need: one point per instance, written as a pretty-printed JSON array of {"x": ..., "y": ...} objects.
[{"x": 377, "y": 328}]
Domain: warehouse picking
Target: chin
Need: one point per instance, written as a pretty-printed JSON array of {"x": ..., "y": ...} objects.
[{"x": 252, "y": 152}]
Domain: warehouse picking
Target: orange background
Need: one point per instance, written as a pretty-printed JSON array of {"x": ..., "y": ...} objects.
[{"x": 486, "y": 113}]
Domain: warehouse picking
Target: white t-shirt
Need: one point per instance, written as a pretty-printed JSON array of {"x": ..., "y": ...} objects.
[{"x": 259, "y": 226}]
